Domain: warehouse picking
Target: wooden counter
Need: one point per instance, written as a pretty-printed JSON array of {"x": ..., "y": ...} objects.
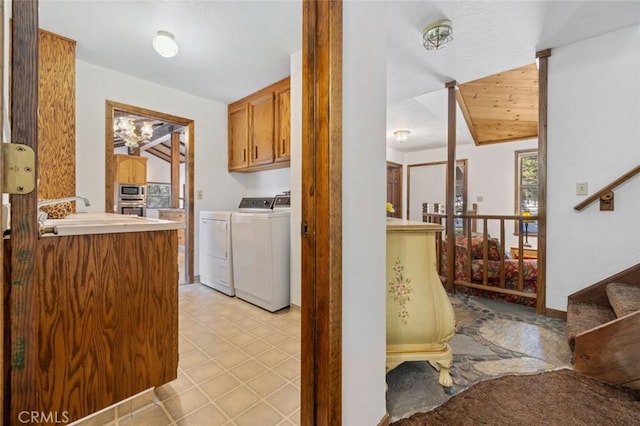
[{"x": 420, "y": 318}]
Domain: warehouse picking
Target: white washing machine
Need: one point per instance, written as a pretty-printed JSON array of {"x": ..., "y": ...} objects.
[
  {"x": 216, "y": 257},
  {"x": 261, "y": 245}
]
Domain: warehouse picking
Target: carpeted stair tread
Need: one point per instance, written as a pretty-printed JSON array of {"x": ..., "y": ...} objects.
[
  {"x": 583, "y": 316},
  {"x": 624, "y": 298}
]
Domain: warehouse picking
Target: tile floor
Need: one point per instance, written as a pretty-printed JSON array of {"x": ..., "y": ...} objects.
[{"x": 239, "y": 365}]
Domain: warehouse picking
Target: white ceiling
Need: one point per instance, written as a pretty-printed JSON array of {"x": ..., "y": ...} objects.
[{"x": 229, "y": 49}]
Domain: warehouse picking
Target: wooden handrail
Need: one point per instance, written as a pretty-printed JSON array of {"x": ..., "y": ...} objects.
[{"x": 622, "y": 179}]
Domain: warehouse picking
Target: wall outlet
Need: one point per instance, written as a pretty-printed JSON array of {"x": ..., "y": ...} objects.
[
  {"x": 199, "y": 194},
  {"x": 581, "y": 188},
  {"x": 479, "y": 198}
]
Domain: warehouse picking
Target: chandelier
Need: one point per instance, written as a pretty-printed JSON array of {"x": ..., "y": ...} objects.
[{"x": 133, "y": 133}]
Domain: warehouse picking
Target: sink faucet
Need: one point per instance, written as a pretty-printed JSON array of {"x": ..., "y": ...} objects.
[{"x": 62, "y": 200}]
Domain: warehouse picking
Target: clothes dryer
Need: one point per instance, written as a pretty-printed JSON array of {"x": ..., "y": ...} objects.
[{"x": 216, "y": 255}]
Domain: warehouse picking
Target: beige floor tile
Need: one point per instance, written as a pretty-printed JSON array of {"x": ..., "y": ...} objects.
[
  {"x": 207, "y": 339},
  {"x": 151, "y": 415},
  {"x": 260, "y": 414},
  {"x": 256, "y": 347},
  {"x": 185, "y": 403},
  {"x": 171, "y": 389},
  {"x": 276, "y": 338},
  {"x": 229, "y": 331},
  {"x": 272, "y": 357},
  {"x": 289, "y": 368},
  {"x": 266, "y": 383},
  {"x": 247, "y": 323},
  {"x": 216, "y": 349},
  {"x": 248, "y": 370},
  {"x": 101, "y": 419},
  {"x": 192, "y": 359},
  {"x": 295, "y": 417},
  {"x": 292, "y": 330},
  {"x": 207, "y": 415},
  {"x": 290, "y": 346},
  {"x": 203, "y": 372},
  {"x": 194, "y": 332},
  {"x": 236, "y": 401},
  {"x": 262, "y": 330},
  {"x": 231, "y": 358},
  {"x": 296, "y": 382},
  {"x": 286, "y": 400},
  {"x": 241, "y": 338},
  {"x": 185, "y": 346},
  {"x": 220, "y": 385}
]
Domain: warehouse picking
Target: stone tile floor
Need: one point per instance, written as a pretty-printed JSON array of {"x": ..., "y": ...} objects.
[{"x": 492, "y": 339}]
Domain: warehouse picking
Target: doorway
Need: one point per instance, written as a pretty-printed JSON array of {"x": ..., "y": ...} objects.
[
  {"x": 394, "y": 188},
  {"x": 178, "y": 150}
]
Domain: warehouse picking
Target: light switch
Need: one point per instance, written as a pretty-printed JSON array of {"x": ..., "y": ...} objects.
[
  {"x": 581, "y": 188},
  {"x": 199, "y": 194}
]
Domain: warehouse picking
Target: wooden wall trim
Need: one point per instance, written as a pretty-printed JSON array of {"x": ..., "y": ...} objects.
[
  {"x": 3, "y": 289},
  {"x": 175, "y": 170},
  {"x": 321, "y": 365},
  {"x": 21, "y": 358},
  {"x": 543, "y": 78}
]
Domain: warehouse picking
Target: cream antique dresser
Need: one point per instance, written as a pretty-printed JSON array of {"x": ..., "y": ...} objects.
[{"x": 420, "y": 318}]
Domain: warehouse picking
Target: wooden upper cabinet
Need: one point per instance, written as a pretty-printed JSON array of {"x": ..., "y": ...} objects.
[
  {"x": 238, "y": 137},
  {"x": 131, "y": 169},
  {"x": 259, "y": 129},
  {"x": 283, "y": 125},
  {"x": 262, "y": 125}
]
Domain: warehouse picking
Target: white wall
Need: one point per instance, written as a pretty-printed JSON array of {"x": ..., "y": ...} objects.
[
  {"x": 94, "y": 85},
  {"x": 267, "y": 183},
  {"x": 594, "y": 137},
  {"x": 296, "y": 177},
  {"x": 363, "y": 214},
  {"x": 490, "y": 176}
]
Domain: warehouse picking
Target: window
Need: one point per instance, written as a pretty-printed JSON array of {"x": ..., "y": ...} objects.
[{"x": 527, "y": 186}]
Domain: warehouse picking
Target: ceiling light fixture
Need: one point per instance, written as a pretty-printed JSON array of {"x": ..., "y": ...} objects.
[
  {"x": 401, "y": 135},
  {"x": 437, "y": 34},
  {"x": 165, "y": 44}
]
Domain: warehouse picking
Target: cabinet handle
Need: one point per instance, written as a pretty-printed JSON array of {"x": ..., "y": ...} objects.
[
  {"x": 244, "y": 154},
  {"x": 282, "y": 151},
  {"x": 256, "y": 156}
]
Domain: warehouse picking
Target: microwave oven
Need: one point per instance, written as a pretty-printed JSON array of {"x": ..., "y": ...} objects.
[{"x": 137, "y": 191}]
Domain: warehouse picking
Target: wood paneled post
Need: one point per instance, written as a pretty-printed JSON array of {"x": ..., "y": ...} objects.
[
  {"x": 543, "y": 78},
  {"x": 451, "y": 183},
  {"x": 321, "y": 366},
  {"x": 175, "y": 170},
  {"x": 23, "y": 293}
]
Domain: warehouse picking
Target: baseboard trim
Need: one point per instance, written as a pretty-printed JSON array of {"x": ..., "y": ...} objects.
[
  {"x": 554, "y": 313},
  {"x": 385, "y": 420}
]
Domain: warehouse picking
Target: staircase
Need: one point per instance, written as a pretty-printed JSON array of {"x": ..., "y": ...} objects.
[{"x": 603, "y": 329}]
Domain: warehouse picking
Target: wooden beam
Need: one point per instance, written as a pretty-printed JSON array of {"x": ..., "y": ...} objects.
[
  {"x": 543, "y": 78},
  {"x": 451, "y": 183},
  {"x": 175, "y": 170},
  {"x": 321, "y": 367},
  {"x": 23, "y": 291}
]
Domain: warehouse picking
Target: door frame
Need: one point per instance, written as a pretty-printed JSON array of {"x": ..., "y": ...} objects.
[
  {"x": 110, "y": 107},
  {"x": 397, "y": 166}
]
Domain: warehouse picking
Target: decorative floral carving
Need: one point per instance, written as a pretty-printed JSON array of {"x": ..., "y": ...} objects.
[{"x": 400, "y": 289}]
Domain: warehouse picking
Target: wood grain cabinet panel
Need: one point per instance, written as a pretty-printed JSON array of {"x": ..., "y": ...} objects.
[
  {"x": 259, "y": 130},
  {"x": 130, "y": 169},
  {"x": 107, "y": 319},
  {"x": 283, "y": 125},
  {"x": 56, "y": 116},
  {"x": 262, "y": 125},
  {"x": 239, "y": 137},
  {"x": 176, "y": 215}
]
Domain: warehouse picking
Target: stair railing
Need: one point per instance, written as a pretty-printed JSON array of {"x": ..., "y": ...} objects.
[{"x": 604, "y": 192}]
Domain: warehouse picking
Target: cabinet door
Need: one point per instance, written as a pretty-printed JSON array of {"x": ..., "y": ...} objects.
[
  {"x": 283, "y": 125},
  {"x": 262, "y": 130},
  {"x": 238, "y": 138},
  {"x": 138, "y": 170}
]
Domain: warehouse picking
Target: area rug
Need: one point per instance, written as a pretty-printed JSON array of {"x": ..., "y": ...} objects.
[{"x": 561, "y": 397}]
